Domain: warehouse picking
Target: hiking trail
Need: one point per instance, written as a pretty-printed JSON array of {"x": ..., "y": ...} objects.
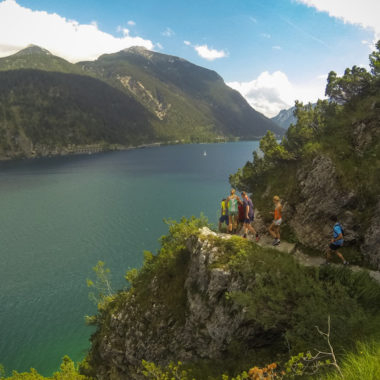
[{"x": 304, "y": 259}]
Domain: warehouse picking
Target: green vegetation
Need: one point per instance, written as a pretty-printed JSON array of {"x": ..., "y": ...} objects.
[
  {"x": 285, "y": 303},
  {"x": 345, "y": 129},
  {"x": 288, "y": 300},
  {"x": 68, "y": 371},
  {"x": 364, "y": 363}
]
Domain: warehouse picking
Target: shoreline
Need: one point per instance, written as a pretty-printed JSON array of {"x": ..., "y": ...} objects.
[{"x": 90, "y": 149}]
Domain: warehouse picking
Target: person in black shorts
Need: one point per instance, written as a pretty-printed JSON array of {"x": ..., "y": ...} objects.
[
  {"x": 336, "y": 242},
  {"x": 248, "y": 215}
]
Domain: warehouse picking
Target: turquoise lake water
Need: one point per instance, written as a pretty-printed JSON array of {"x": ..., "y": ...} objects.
[{"x": 60, "y": 216}]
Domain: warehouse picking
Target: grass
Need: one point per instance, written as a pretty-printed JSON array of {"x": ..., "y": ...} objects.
[{"x": 362, "y": 364}]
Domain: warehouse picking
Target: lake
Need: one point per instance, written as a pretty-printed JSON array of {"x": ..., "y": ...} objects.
[{"x": 60, "y": 216}]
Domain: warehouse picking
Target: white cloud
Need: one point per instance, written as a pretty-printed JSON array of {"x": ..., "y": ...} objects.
[
  {"x": 168, "y": 32},
  {"x": 125, "y": 31},
  {"x": 159, "y": 46},
  {"x": 276, "y": 47},
  {"x": 270, "y": 93},
  {"x": 364, "y": 12},
  {"x": 20, "y": 26},
  {"x": 131, "y": 23},
  {"x": 253, "y": 19},
  {"x": 265, "y": 35},
  {"x": 208, "y": 53}
]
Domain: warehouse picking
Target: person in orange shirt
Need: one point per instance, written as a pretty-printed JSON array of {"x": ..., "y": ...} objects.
[{"x": 274, "y": 228}]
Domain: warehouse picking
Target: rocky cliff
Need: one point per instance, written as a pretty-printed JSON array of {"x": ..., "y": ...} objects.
[
  {"x": 317, "y": 194},
  {"x": 157, "y": 334},
  {"x": 322, "y": 193},
  {"x": 328, "y": 164}
]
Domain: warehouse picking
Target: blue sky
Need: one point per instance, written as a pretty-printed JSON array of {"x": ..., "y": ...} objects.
[{"x": 272, "y": 51}]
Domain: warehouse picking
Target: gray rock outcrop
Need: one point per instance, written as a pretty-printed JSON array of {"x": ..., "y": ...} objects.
[
  {"x": 211, "y": 321},
  {"x": 371, "y": 246},
  {"x": 319, "y": 198}
]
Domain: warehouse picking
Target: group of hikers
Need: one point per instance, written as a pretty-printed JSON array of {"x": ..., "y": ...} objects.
[{"x": 238, "y": 213}]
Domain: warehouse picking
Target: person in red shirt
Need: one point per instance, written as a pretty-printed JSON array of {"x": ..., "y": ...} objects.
[
  {"x": 241, "y": 216},
  {"x": 274, "y": 228}
]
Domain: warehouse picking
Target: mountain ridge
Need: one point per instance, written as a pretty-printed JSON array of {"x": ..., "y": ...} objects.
[
  {"x": 285, "y": 117},
  {"x": 181, "y": 101}
]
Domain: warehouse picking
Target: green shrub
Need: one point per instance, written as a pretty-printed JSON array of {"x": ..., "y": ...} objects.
[
  {"x": 68, "y": 371},
  {"x": 288, "y": 300}
]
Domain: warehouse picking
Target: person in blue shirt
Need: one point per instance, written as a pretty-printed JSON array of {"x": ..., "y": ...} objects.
[{"x": 336, "y": 242}]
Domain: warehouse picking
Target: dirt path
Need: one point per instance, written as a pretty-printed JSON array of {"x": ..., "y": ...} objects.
[{"x": 306, "y": 260}]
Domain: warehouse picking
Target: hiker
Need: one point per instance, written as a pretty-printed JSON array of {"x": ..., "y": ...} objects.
[
  {"x": 274, "y": 228},
  {"x": 233, "y": 200},
  {"x": 249, "y": 216},
  {"x": 336, "y": 241},
  {"x": 241, "y": 216},
  {"x": 223, "y": 213}
]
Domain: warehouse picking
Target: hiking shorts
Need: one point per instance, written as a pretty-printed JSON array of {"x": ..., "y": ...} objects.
[
  {"x": 277, "y": 222},
  {"x": 224, "y": 218},
  {"x": 334, "y": 247},
  {"x": 248, "y": 220},
  {"x": 233, "y": 213}
]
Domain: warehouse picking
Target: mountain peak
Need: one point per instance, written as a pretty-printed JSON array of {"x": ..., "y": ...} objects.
[
  {"x": 33, "y": 49},
  {"x": 136, "y": 49},
  {"x": 139, "y": 50}
]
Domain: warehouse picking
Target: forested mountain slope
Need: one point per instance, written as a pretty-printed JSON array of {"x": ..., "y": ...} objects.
[
  {"x": 45, "y": 112},
  {"x": 182, "y": 95}
]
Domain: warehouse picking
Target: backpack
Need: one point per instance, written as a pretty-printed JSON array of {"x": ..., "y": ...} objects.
[
  {"x": 251, "y": 212},
  {"x": 340, "y": 228}
]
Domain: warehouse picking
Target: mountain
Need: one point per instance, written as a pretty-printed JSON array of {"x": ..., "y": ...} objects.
[
  {"x": 131, "y": 97},
  {"x": 43, "y": 113},
  {"x": 188, "y": 100},
  {"x": 34, "y": 57},
  {"x": 285, "y": 118}
]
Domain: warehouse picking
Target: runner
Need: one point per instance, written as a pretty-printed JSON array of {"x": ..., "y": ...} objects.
[
  {"x": 233, "y": 201},
  {"x": 223, "y": 213},
  {"x": 249, "y": 216},
  {"x": 274, "y": 228},
  {"x": 336, "y": 241}
]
